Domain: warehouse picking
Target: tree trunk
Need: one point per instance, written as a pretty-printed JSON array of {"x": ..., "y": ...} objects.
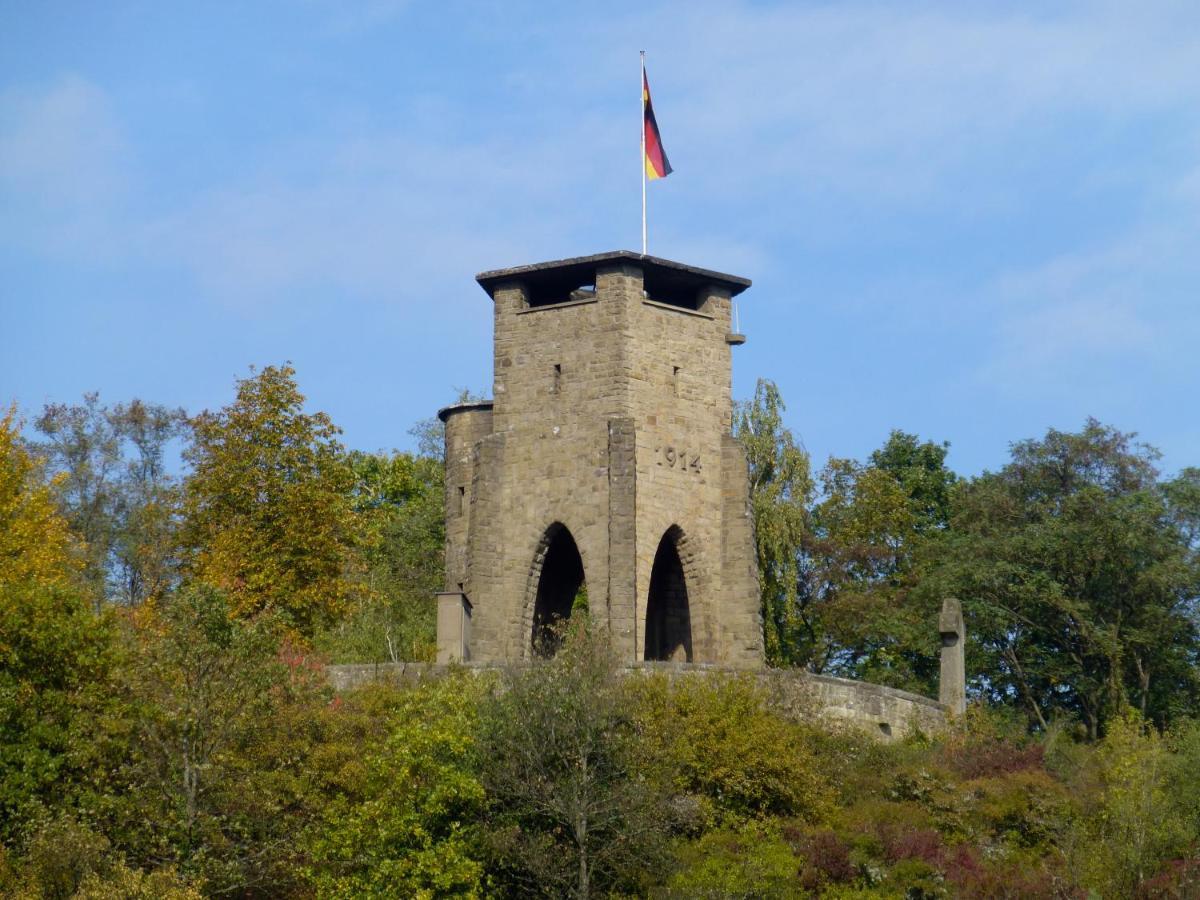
[{"x": 1020, "y": 673}]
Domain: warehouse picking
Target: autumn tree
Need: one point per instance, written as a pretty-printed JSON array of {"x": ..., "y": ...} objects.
[
  {"x": 53, "y": 650},
  {"x": 268, "y": 508},
  {"x": 35, "y": 541}
]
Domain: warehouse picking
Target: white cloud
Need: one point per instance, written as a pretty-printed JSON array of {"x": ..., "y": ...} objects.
[
  {"x": 64, "y": 169},
  {"x": 1079, "y": 322},
  {"x": 891, "y": 107},
  {"x": 63, "y": 144}
]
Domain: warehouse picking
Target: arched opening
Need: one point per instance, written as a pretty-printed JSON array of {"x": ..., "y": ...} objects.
[
  {"x": 561, "y": 589},
  {"x": 668, "y": 619}
]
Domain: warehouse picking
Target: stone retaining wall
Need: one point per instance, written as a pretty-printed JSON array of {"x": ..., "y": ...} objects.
[{"x": 886, "y": 712}]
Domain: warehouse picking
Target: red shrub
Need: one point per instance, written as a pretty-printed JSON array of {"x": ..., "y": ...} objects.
[
  {"x": 997, "y": 757},
  {"x": 829, "y": 853},
  {"x": 1180, "y": 881},
  {"x": 973, "y": 879},
  {"x": 924, "y": 844}
]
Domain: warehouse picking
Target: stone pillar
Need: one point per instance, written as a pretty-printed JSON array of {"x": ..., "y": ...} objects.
[
  {"x": 952, "y": 684},
  {"x": 740, "y": 634},
  {"x": 622, "y": 539},
  {"x": 453, "y": 627}
]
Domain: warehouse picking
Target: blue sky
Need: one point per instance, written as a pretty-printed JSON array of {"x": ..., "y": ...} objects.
[{"x": 972, "y": 221}]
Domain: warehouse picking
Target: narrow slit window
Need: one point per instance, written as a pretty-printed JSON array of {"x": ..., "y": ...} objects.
[
  {"x": 675, "y": 380},
  {"x": 462, "y": 499},
  {"x": 556, "y": 387}
]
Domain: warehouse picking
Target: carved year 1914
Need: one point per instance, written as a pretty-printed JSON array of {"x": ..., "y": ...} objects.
[{"x": 675, "y": 458}]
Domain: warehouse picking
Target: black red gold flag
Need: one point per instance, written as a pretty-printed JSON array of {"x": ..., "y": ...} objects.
[{"x": 657, "y": 164}]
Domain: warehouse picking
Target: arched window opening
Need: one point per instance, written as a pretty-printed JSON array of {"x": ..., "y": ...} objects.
[
  {"x": 561, "y": 589},
  {"x": 668, "y": 619}
]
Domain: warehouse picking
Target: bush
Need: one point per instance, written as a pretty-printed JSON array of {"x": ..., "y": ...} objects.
[
  {"x": 749, "y": 861},
  {"x": 717, "y": 738},
  {"x": 1131, "y": 826},
  {"x": 407, "y": 828}
]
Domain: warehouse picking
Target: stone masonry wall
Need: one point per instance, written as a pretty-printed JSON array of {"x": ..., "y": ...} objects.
[
  {"x": 681, "y": 396},
  {"x": 557, "y": 383},
  {"x": 881, "y": 711}
]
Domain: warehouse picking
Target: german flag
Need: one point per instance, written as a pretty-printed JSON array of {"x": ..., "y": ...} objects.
[{"x": 657, "y": 165}]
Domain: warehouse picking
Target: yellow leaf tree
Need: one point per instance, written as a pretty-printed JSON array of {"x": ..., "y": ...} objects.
[
  {"x": 35, "y": 542},
  {"x": 268, "y": 509}
]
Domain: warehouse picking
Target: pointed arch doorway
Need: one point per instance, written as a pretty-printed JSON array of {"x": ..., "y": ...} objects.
[
  {"x": 561, "y": 589},
  {"x": 668, "y": 615}
]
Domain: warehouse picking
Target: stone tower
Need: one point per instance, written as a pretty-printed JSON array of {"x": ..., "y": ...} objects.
[{"x": 604, "y": 471}]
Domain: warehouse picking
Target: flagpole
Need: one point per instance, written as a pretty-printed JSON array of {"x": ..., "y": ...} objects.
[{"x": 642, "y": 161}]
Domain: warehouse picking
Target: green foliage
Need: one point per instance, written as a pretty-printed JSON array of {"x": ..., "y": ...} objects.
[
  {"x": 201, "y": 752},
  {"x": 570, "y": 809},
  {"x": 407, "y": 829},
  {"x": 1133, "y": 824},
  {"x": 190, "y": 745},
  {"x": 716, "y": 739},
  {"x": 54, "y": 658},
  {"x": 868, "y": 524},
  {"x": 749, "y": 861},
  {"x": 60, "y": 854},
  {"x": 398, "y": 498},
  {"x": 120, "y": 882},
  {"x": 920, "y": 470},
  {"x": 115, "y": 491},
  {"x": 836, "y": 565},
  {"x": 1080, "y": 578},
  {"x": 268, "y": 509},
  {"x": 780, "y": 489}
]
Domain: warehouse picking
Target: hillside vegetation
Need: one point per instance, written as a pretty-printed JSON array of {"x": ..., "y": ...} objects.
[{"x": 166, "y": 729}]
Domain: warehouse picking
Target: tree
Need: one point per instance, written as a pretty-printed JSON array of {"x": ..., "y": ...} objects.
[
  {"x": 408, "y": 829},
  {"x": 268, "y": 508},
  {"x": 920, "y": 470},
  {"x": 835, "y": 565},
  {"x": 1080, "y": 577},
  {"x": 200, "y": 755},
  {"x": 53, "y": 651},
  {"x": 780, "y": 489},
  {"x": 719, "y": 745},
  {"x": 571, "y": 811},
  {"x": 868, "y": 526},
  {"x": 35, "y": 541},
  {"x": 115, "y": 491},
  {"x": 430, "y": 434},
  {"x": 1132, "y": 822},
  {"x": 54, "y": 660},
  {"x": 398, "y": 498}
]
